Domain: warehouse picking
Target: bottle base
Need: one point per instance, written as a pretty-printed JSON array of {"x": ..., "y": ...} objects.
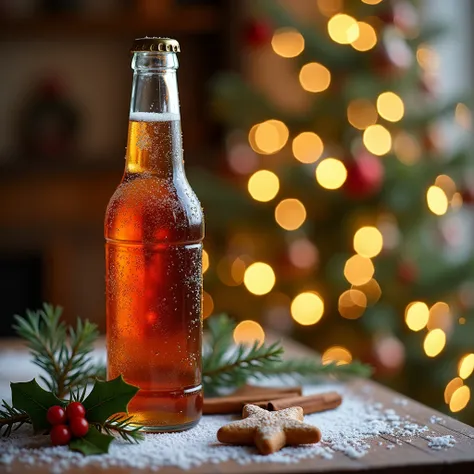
[{"x": 170, "y": 428}]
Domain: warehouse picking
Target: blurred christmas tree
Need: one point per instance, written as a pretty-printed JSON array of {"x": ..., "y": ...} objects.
[{"x": 352, "y": 224}]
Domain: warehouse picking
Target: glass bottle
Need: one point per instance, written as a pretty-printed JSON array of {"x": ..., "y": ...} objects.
[{"x": 154, "y": 229}]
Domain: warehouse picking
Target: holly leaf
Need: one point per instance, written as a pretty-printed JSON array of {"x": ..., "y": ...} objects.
[
  {"x": 107, "y": 399},
  {"x": 30, "y": 397},
  {"x": 93, "y": 442}
]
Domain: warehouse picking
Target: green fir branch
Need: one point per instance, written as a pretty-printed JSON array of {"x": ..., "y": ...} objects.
[
  {"x": 64, "y": 353},
  {"x": 123, "y": 426},
  {"x": 11, "y": 418}
]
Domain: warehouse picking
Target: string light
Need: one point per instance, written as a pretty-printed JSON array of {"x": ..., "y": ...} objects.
[
  {"x": 368, "y": 242},
  {"x": 466, "y": 366},
  {"x": 331, "y": 173},
  {"x": 259, "y": 278},
  {"x": 268, "y": 137},
  {"x": 302, "y": 253},
  {"x": 417, "y": 315},
  {"x": 372, "y": 2},
  {"x": 460, "y": 399},
  {"x": 224, "y": 273},
  {"x": 338, "y": 354},
  {"x": 263, "y": 185},
  {"x": 248, "y": 332},
  {"x": 451, "y": 387},
  {"x": 290, "y": 214},
  {"x": 205, "y": 261},
  {"x": 367, "y": 38},
  {"x": 446, "y": 183},
  {"x": 287, "y": 42},
  {"x": 437, "y": 200},
  {"x": 434, "y": 342},
  {"x": 237, "y": 270},
  {"x": 361, "y": 113},
  {"x": 407, "y": 148},
  {"x": 427, "y": 58},
  {"x": 377, "y": 139},
  {"x": 314, "y": 77},
  {"x": 307, "y": 308},
  {"x": 207, "y": 304},
  {"x": 371, "y": 290},
  {"x": 307, "y": 147},
  {"x": 329, "y": 7},
  {"x": 463, "y": 116},
  {"x": 343, "y": 29},
  {"x": 390, "y": 106},
  {"x": 358, "y": 270},
  {"x": 352, "y": 304},
  {"x": 440, "y": 317}
]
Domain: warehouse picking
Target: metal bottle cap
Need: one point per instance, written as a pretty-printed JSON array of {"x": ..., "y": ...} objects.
[{"x": 153, "y": 43}]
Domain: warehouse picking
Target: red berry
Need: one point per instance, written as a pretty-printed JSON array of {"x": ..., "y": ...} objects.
[
  {"x": 56, "y": 415},
  {"x": 75, "y": 409},
  {"x": 60, "y": 435},
  {"x": 79, "y": 426}
]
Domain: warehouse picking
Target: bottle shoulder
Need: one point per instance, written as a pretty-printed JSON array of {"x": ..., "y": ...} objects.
[{"x": 150, "y": 208}]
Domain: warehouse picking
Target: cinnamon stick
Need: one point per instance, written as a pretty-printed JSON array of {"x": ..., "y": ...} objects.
[
  {"x": 249, "y": 389},
  {"x": 309, "y": 404},
  {"x": 234, "y": 403}
]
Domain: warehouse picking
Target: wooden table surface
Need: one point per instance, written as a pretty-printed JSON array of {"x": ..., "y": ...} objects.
[{"x": 409, "y": 457}]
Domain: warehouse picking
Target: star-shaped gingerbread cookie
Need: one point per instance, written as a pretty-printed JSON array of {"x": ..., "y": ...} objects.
[{"x": 269, "y": 430}]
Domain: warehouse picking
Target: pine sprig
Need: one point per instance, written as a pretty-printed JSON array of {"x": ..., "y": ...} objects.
[
  {"x": 64, "y": 353},
  {"x": 123, "y": 426},
  {"x": 227, "y": 365},
  {"x": 11, "y": 418}
]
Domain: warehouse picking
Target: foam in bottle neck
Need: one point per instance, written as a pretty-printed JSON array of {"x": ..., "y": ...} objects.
[{"x": 154, "y": 116}]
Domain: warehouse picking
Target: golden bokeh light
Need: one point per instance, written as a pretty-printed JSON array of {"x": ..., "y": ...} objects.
[
  {"x": 331, "y": 173},
  {"x": 440, "y": 317},
  {"x": 437, "y": 200},
  {"x": 417, "y": 315},
  {"x": 338, "y": 354},
  {"x": 207, "y": 304},
  {"x": 343, "y": 29},
  {"x": 361, "y": 113},
  {"x": 367, "y": 38},
  {"x": 451, "y": 387},
  {"x": 287, "y": 42},
  {"x": 259, "y": 278},
  {"x": 447, "y": 184},
  {"x": 249, "y": 332},
  {"x": 463, "y": 116},
  {"x": 314, "y": 77},
  {"x": 390, "y": 106},
  {"x": 407, "y": 148},
  {"x": 237, "y": 270},
  {"x": 427, "y": 58},
  {"x": 434, "y": 342},
  {"x": 224, "y": 272},
  {"x": 460, "y": 399},
  {"x": 205, "y": 261},
  {"x": 307, "y": 308},
  {"x": 457, "y": 201},
  {"x": 368, "y": 242},
  {"x": 371, "y": 2},
  {"x": 268, "y": 137},
  {"x": 263, "y": 185},
  {"x": 352, "y": 304},
  {"x": 466, "y": 366},
  {"x": 371, "y": 290},
  {"x": 307, "y": 147},
  {"x": 377, "y": 139},
  {"x": 290, "y": 214},
  {"x": 358, "y": 270},
  {"x": 329, "y": 7}
]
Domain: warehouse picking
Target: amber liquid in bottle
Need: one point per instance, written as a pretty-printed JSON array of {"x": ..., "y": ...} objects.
[{"x": 154, "y": 231}]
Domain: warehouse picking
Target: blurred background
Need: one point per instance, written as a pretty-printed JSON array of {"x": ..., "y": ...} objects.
[{"x": 328, "y": 140}]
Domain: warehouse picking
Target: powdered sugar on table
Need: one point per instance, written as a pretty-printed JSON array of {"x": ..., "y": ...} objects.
[{"x": 350, "y": 429}]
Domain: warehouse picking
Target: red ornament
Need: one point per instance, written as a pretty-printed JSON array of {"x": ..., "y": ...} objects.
[
  {"x": 75, "y": 409},
  {"x": 407, "y": 272},
  {"x": 60, "y": 435},
  {"x": 257, "y": 33},
  {"x": 364, "y": 176},
  {"x": 56, "y": 415},
  {"x": 79, "y": 426}
]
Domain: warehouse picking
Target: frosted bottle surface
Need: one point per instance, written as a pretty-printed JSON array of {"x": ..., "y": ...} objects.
[{"x": 154, "y": 231}]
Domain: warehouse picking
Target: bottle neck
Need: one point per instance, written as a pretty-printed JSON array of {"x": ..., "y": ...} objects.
[{"x": 154, "y": 133}]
